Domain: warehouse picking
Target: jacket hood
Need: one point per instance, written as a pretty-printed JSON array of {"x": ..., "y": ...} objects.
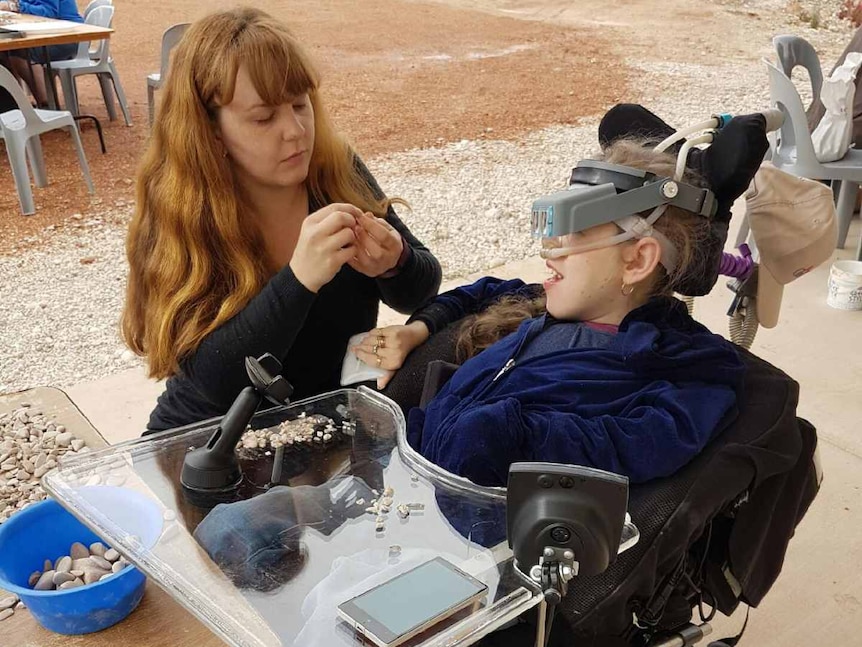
[{"x": 662, "y": 341}]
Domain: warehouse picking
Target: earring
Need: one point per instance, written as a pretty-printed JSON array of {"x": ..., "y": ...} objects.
[{"x": 631, "y": 289}]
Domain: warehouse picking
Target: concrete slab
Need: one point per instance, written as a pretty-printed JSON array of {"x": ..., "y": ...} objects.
[
  {"x": 55, "y": 405},
  {"x": 118, "y": 405}
]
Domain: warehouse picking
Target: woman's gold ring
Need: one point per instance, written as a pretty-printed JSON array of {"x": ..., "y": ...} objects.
[
  {"x": 379, "y": 361},
  {"x": 375, "y": 348},
  {"x": 381, "y": 341}
]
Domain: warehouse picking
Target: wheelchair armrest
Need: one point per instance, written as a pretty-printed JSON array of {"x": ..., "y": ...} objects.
[{"x": 436, "y": 375}]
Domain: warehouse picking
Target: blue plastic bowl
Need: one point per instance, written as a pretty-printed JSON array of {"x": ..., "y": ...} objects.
[{"x": 46, "y": 531}]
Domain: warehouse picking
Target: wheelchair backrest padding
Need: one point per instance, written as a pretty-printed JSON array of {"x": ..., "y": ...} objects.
[
  {"x": 763, "y": 448},
  {"x": 754, "y": 452}
]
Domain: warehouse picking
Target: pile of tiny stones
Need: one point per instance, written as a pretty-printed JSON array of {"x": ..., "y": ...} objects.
[
  {"x": 380, "y": 507},
  {"x": 31, "y": 444},
  {"x": 81, "y": 566},
  {"x": 305, "y": 431}
]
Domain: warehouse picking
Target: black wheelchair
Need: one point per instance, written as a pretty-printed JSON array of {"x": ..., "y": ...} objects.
[{"x": 712, "y": 536}]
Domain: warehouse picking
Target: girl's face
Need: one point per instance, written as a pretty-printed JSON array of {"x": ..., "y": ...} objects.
[
  {"x": 587, "y": 286},
  {"x": 270, "y": 146}
]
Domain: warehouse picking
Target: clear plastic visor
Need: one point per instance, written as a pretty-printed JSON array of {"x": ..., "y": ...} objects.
[
  {"x": 560, "y": 246},
  {"x": 633, "y": 227}
]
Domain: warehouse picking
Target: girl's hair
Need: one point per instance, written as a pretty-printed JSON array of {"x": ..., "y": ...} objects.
[
  {"x": 194, "y": 251},
  {"x": 685, "y": 230},
  {"x": 481, "y": 330}
]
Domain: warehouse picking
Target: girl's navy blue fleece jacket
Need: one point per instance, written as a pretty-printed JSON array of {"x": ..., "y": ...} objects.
[{"x": 642, "y": 407}]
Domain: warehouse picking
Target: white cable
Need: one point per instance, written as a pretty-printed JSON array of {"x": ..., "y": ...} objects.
[
  {"x": 706, "y": 138},
  {"x": 710, "y": 123}
]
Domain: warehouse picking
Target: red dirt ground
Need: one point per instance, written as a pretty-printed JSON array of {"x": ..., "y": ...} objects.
[{"x": 397, "y": 75}]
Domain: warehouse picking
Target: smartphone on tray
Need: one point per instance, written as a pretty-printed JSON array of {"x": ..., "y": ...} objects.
[{"x": 393, "y": 612}]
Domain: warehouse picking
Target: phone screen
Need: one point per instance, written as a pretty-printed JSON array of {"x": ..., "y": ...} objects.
[{"x": 413, "y": 598}]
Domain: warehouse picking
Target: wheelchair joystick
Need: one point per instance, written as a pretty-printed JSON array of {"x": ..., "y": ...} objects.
[{"x": 214, "y": 469}]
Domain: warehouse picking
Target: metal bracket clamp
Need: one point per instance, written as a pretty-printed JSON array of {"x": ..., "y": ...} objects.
[{"x": 556, "y": 568}]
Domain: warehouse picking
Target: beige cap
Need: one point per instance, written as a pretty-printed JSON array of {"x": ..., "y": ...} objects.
[{"x": 793, "y": 223}]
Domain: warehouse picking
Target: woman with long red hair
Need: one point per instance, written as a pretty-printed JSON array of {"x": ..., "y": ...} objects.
[{"x": 257, "y": 229}]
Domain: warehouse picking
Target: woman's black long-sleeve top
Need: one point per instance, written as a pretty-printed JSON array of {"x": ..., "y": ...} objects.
[{"x": 307, "y": 332}]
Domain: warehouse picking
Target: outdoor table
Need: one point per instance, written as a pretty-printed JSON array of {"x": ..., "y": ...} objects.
[
  {"x": 61, "y": 32},
  {"x": 157, "y": 622}
]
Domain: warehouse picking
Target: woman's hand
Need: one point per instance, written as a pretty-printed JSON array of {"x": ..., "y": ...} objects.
[
  {"x": 388, "y": 347},
  {"x": 327, "y": 241},
  {"x": 379, "y": 246}
]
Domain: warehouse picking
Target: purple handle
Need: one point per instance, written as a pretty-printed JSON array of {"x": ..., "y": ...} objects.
[{"x": 738, "y": 267}]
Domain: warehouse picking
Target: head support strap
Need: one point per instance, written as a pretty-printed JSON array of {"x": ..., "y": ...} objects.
[{"x": 602, "y": 193}]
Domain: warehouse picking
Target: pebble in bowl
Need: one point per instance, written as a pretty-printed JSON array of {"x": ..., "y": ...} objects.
[{"x": 46, "y": 531}]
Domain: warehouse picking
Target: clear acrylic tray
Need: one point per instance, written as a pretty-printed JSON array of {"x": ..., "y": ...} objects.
[{"x": 271, "y": 566}]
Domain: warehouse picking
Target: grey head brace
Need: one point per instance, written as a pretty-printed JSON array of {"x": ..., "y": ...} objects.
[{"x": 601, "y": 193}]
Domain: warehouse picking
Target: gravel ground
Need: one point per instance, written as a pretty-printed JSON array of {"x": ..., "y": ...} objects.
[{"x": 62, "y": 301}]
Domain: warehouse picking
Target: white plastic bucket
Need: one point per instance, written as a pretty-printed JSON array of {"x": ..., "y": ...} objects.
[{"x": 845, "y": 285}]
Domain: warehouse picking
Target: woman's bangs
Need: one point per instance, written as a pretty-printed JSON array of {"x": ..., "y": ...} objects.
[{"x": 278, "y": 71}]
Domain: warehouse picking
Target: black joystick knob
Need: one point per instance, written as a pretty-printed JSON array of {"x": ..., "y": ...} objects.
[{"x": 214, "y": 467}]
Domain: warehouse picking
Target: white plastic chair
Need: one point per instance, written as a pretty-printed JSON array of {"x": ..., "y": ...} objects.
[
  {"x": 793, "y": 152},
  {"x": 155, "y": 80},
  {"x": 793, "y": 51},
  {"x": 94, "y": 49},
  {"x": 94, "y": 4},
  {"x": 102, "y": 66},
  {"x": 21, "y": 129}
]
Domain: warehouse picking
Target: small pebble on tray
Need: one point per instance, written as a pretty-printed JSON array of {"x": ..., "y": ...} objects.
[{"x": 381, "y": 507}]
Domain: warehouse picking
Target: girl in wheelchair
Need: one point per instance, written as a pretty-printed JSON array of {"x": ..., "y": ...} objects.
[{"x": 601, "y": 366}]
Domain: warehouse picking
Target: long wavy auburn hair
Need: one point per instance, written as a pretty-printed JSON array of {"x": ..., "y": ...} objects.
[
  {"x": 685, "y": 230},
  {"x": 195, "y": 252}
]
